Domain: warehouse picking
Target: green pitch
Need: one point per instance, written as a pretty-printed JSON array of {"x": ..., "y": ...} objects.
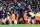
[{"x": 21, "y": 25}]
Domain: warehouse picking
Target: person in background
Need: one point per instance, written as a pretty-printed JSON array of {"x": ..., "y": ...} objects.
[
  {"x": 25, "y": 17},
  {"x": 37, "y": 16},
  {"x": 12, "y": 18},
  {"x": 8, "y": 18},
  {"x": 32, "y": 16}
]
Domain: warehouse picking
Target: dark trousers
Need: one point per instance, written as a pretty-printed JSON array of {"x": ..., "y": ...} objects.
[
  {"x": 19, "y": 22},
  {"x": 24, "y": 21},
  {"x": 7, "y": 22},
  {"x": 39, "y": 22},
  {"x": 12, "y": 22}
]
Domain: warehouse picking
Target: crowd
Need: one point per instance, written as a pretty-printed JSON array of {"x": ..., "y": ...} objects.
[{"x": 20, "y": 10}]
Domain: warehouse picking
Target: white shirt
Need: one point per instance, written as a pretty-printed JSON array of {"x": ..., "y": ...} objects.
[{"x": 32, "y": 14}]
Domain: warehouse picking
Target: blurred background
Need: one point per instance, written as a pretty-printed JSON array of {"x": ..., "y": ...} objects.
[{"x": 19, "y": 11}]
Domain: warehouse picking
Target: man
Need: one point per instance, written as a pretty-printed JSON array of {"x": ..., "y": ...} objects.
[
  {"x": 37, "y": 16},
  {"x": 32, "y": 16},
  {"x": 13, "y": 18},
  {"x": 25, "y": 16},
  {"x": 8, "y": 18}
]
